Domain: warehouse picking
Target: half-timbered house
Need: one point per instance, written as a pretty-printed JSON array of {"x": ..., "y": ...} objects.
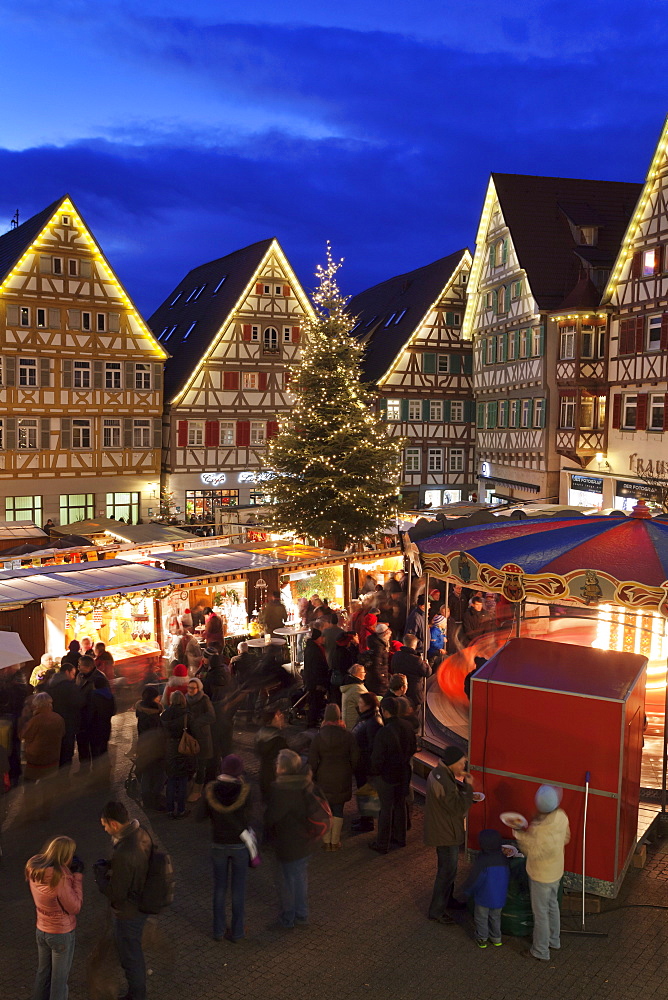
[
  {"x": 544, "y": 250},
  {"x": 636, "y": 458},
  {"x": 416, "y": 358},
  {"x": 81, "y": 395},
  {"x": 233, "y": 328}
]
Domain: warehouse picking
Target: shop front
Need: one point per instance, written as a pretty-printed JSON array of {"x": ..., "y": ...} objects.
[
  {"x": 585, "y": 491},
  {"x": 629, "y": 491},
  {"x": 368, "y": 570}
]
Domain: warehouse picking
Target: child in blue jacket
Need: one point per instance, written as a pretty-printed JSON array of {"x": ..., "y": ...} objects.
[{"x": 488, "y": 884}]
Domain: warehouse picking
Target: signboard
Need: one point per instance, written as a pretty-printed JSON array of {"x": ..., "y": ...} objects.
[
  {"x": 627, "y": 488},
  {"x": 213, "y": 478},
  {"x": 588, "y": 484}
]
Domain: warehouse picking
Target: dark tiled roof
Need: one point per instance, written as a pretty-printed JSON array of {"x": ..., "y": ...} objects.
[
  {"x": 537, "y": 211},
  {"x": 403, "y": 301},
  {"x": 585, "y": 295},
  {"x": 208, "y": 310},
  {"x": 15, "y": 243}
]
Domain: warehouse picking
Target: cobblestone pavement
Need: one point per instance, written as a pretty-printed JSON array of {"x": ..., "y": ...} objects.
[{"x": 369, "y": 936}]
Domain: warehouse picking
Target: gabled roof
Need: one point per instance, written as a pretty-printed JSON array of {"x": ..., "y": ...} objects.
[
  {"x": 538, "y": 212},
  {"x": 585, "y": 295},
  {"x": 389, "y": 313},
  {"x": 224, "y": 282},
  {"x": 15, "y": 243}
]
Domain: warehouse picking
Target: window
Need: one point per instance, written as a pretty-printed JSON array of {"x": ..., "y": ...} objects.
[
  {"x": 394, "y": 409},
  {"x": 85, "y": 321},
  {"x": 112, "y": 375},
  {"x": 453, "y": 319},
  {"x": 81, "y": 433},
  {"x": 443, "y": 364},
  {"x": 76, "y": 507},
  {"x": 278, "y": 289},
  {"x": 26, "y": 433},
  {"x": 456, "y": 412},
  {"x": 435, "y": 460},
  {"x": 412, "y": 459},
  {"x": 464, "y": 277},
  {"x": 123, "y": 505},
  {"x": 111, "y": 433},
  {"x": 141, "y": 434},
  {"x": 648, "y": 263},
  {"x": 525, "y": 343},
  {"x": 491, "y": 410},
  {"x": 168, "y": 335},
  {"x": 516, "y": 289},
  {"x": 196, "y": 292},
  {"x": 57, "y": 265},
  {"x": 27, "y": 372},
  {"x": 588, "y": 235},
  {"x": 249, "y": 380},
  {"x": 490, "y": 351},
  {"x": 41, "y": 317},
  {"x": 535, "y": 342},
  {"x": 255, "y": 333},
  {"x": 270, "y": 340},
  {"x": 256, "y": 499},
  {"x": 567, "y": 412},
  {"x": 195, "y": 433},
  {"x": 539, "y": 412},
  {"x": 101, "y": 323},
  {"x": 514, "y": 413},
  {"x": 65, "y": 219},
  {"x": 219, "y": 285},
  {"x": 389, "y": 319},
  {"x": 587, "y": 412},
  {"x": 415, "y": 409},
  {"x": 435, "y": 409},
  {"x": 227, "y": 432},
  {"x": 503, "y": 413},
  {"x": 24, "y": 509},
  {"x": 629, "y": 412},
  {"x": 24, "y": 316},
  {"x": 456, "y": 460},
  {"x": 72, "y": 268},
  {"x": 202, "y": 504},
  {"x": 287, "y": 335},
  {"x": 81, "y": 375},
  {"x": 512, "y": 345},
  {"x": 142, "y": 376},
  {"x": 656, "y": 411},
  {"x": 567, "y": 343},
  {"x": 400, "y": 316},
  {"x": 587, "y": 340},
  {"x": 526, "y": 412},
  {"x": 489, "y": 300},
  {"x": 258, "y": 432},
  {"x": 654, "y": 333}
]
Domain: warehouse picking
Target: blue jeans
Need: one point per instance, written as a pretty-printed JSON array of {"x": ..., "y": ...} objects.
[
  {"x": 445, "y": 879},
  {"x": 546, "y": 917},
  {"x": 224, "y": 856},
  {"x": 176, "y": 794},
  {"x": 128, "y": 934},
  {"x": 293, "y": 890},
  {"x": 54, "y": 953},
  {"x": 487, "y": 923}
]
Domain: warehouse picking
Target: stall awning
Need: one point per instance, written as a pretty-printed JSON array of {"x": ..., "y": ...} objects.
[
  {"x": 138, "y": 534},
  {"x": 114, "y": 576},
  {"x": 219, "y": 560},
  {"x": 512, "y": 483}
]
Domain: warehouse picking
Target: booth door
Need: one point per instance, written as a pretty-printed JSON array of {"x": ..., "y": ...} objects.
[{"x": 29, "y": 623}]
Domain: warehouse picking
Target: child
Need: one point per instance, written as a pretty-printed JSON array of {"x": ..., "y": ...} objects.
[{"x": 488, "y": 884}]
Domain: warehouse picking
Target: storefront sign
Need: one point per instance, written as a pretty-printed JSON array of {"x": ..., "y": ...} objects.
[
  {"x": 627, "y": 488},
  {"x": 485, "y": 469},
  {"x": 253, "y": 477},
  {"x": 213, "y": 478},
  {"x": 648, "y": 466},
  {"x": 588, "y": 484}
]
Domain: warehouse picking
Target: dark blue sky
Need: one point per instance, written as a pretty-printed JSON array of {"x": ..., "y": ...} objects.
[{"x": 183, "y": 135}]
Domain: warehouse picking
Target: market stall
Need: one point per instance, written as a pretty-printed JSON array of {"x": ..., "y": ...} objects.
[{"x": 379, "y": 565}]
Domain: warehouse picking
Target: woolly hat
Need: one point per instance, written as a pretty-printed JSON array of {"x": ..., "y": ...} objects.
[
  {"x": 451, "y": 755},
  {"x": 210, "y": 651},
  {"x": 180, "y": 670},
  {"x": 332, "y": 712},
  {"x": 438, "y": 620},
  {"x": 382, "y": 627},
  {"x": 232, "y": 766},
  {"x": 547, "y": 799},
  {"x": 197, "y": 681}
]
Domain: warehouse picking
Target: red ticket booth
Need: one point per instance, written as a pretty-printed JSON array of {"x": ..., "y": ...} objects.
[{"x": 548, "y": 713}]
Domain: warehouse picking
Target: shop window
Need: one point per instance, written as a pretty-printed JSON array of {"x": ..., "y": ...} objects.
[
  {"x": 111, "y": 433},
  {"x": 256, "y": 498},
  {"x": 394, "y": 409},
  {"x": 435, "y": 460},
  {"x": 202, "y": 504},
  {"x": 24, "y": 509},
  {"x": 412, "y": 459},
  {"x": 123, "y": 505},
  {"x": 76, "y": 507},
  {"x": 456, "y": 460},
  {"x": 26, "y": 437}
]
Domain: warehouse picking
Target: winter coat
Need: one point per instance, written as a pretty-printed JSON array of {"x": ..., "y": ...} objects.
[
  {"x": 366, "y": 629},
  {"x": 330, "y": 636},
  {"x": 489, "y": 877},
  {"x": 150, "y": 735},
  {"x": 340, "y": 661},
  {"x": 273, "y": 615},
  {"x": 177, "y": 765},
  {"x": 201, "y": 717},
  {"x": 57, "y": 906},
  {"x": 269, "y": 741},
  {"x": 316, "y": 673},
  {"x": 105, "y": 664},
  {"x": 226, "y": 802},
  {"x": 43, "y": 736},
  {"x": 241, "y": 666},
  {"x": 474, "y": 624},
  {"x": 543, "y": 843},
  {"x": 127, "y": 872},
  {"x": 409, "y": 662},
  {"x": 364, "y": 732},
  {"x": 393, "y": 747},
  {"x": 217, "y": 682},
  {"x": 350, "y": 692},
  {"x": 189, "y": 652},
  {"x": 415, "y": 625},
  {"x": 286, "y": 817},
  {"x": 213, "y": 631},
  {"x": 333, "y": 757},
  {"x": 102, "y": 708},
  {"x": 377, "y": 671},
  {"x": 175, "y": 683},
  {"x": 437, "y": 640},
  {"x": 447, "y": 804},
  {"x": 68, "y": 701}
]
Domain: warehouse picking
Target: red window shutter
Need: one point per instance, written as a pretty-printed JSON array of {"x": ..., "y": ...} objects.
[
  {"x": 182, "y": 433},
  {"x": 243, "y": 433},
  {"x": 641, "y": 417},
  {"x": 272, "y": 428},
  {"x": 657, "y": 260},
  {"x": 247, "y": 331},
  {"x": 665, "y": 412},
  {"x": 664, "y": 329},
  {"x": 230, "y": 381},
  {"x": 636, "y": 265},
  {"x": 286, "y": 290},
  {"x": 640, "y": 334},
  {"x": 211, "y": 434},
  {"x": 262, "y": 381},
  {"x": 296, "y": 333},
  {"x": 626, "y": 336},
  {"x": 259, "y": 288},
  {"x": 617, "y": 411}
]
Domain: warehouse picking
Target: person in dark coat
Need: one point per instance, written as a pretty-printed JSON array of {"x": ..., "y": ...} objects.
[
  {"x": 89, "y": 680},
  {"x": 269, "y": 741},
  {"x": 72, "y": 655},
  {"x": 241, "y": 668},
  {"x": 364, "y": 732},
  {"x": 13, "y": 694},
  {"x": 393, "y": 748},
  {"x": 286, "y": 824},
  {"x": 488, "y": 883},
  {"x": 68, "y": 702},
  {"x": 274, "y": 614},
  {"x": 341, "y": 658},
  {"x": 150, "y": 747},
  {"x": 474, "y": 623},
  {"x": 409, "y": 662},
  {"x": 226, "y": 802},
  {"x": 377, "y": 671},
  {"x": 415, "y": 622},
  {"x": 449, "y": 798},
  {"x": 102, "y": 710},
  {"x": 178, "y": 766},
  {"x": 333, "y": 756},
  {"x": 316, "y": 677},
  {"x": 201, "y": 720}
]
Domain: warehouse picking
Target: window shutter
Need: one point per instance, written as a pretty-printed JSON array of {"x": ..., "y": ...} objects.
[
  {"x": 97, "y": 374},
  {"x": 10, "y": 433},
  {"x": 182, "y": 433},
  {"x": 10, "y": 370},
  {"x": 404, "y": 409},
  {"x": 45, "y": 433},
  {"x": 467, "y": 363},
  {"x": 657, "y": 260},
  {"x": 641, "y": 417},
  {"x": 541, "y": 341},
  {"x": 382, "y": 406},
  {"x": 446, "y": 411},
  {"x": 429, "y": 364},
  {"x": 74, "y": 319},
  {"x": 114, "y": 322},
  {"x": 230, "y": 381},
  {"x": 504, "y": 256},
  {"x": 469, "y": 410},
  {"x": 54, "y": 319},
  {"x": 296, "y": 334},
  {"x": 454, "y": 364},
  {"x": 259, "y": 288},
  {"x": 495, "y": 301},
  {"x": 425, "y": 409},
  {"x": 617, "y": 411},
  {"x": 665, "y": 412},
  {"x": 540, "y": 403},
  {"x": 492, "y": 256},
  {"x": 243, "y": 433},
  {"x": 287, "y": 375},
  {"x": 157, "y": 432},
  {"x": 65, "y": 433},
  {"x": 129, "y": 375},
  {"x": 12, "y": 315},
  {"x": 506, "y": 298},
  {"x": 246, "y": 331},
  {"x": 272, "y": 429},
  {"x": 127, "y": 432},
  {"x": 640, "y": 334},
  {"x": 157, "y": 377},
  {"x": 286, "y": 290},
  {"x": 262, "y": 381},
  {"x": 66, "y": 367},
  {"x": 45, "y": 372},
  {"x": 480, "y": 419},
  {"x": 664, "y": 329},
  {"x": 45, "y": 264},
  {"x": 624, "y": 327},
  {"x": 211, "y": 433},
  {"x": 636, "y": 264},
  {"x": 493, "y": 412}
]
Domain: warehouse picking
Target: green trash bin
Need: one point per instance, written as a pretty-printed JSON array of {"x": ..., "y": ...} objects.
[{"x": 516, "y": 917}]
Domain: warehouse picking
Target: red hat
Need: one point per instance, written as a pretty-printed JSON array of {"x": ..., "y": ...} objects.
[{"x": 180, "y": 670}]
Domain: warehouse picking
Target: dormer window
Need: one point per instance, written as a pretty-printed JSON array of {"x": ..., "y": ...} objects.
[{"x": 589, "y": 235}]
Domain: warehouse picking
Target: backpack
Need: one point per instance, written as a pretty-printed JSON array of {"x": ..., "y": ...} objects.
[
  {"x": 318, "y": 814},
  {"x": 158, "y": 891}
]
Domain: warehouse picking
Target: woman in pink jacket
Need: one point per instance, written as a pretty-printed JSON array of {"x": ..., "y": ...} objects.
[{"x": 55, "y": 878}]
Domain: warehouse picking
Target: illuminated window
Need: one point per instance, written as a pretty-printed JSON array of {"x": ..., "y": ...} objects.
[
  {"x": 175, "y": 300},
  {"x": 393, "y": 409},
  {"x": 588, "y": 235},
  {"x": 41, "y": 317},
  {"x": 227, "y": 432},
  {"x": 76, "y": 507},
  {"x": 629, "y": 412},
  {"x": 587, "y": 340},
  {"x": 189, "y": 330},
  {"x": 388, "y": 321},
  {"x": 141, "y": 434},
  {"x": 168, "y": 335},
  {"x": 195, "y": 433},
  {"x": 567, "y": 412},
  {"x": 24, "y": 316},
  {"x": 81, "y": 375},
  {"x": 567, "y": 343},
  {"x": 123, "y": 505},
  {"x": 648, "y": 265},
  {"x": 81, "y": 434},
  {"x": 142, "y": 376},
  {"x": 24, "y": 509},
  {"x": 455, "y": 459},
  {"x": 435, "y": 460},
  {"x": 456, "y": 412},
  {"x": 26, "y": 433},
  {"x": 412, "y": 459},
  {"x": 400, "y": 316},
  {"x": 219, "y": 285},
  {"x": 111, "y": 433},
  {"x": 27, "y": 372},
  {"x": 249, "y": 380},
  {"x": 654, "y": 333},
  {"x": 258, "y": 432},
  {"x": 415, "y": 409}
]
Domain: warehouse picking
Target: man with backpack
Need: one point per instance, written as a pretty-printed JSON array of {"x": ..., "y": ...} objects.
[{"x": 123, "y": 880}]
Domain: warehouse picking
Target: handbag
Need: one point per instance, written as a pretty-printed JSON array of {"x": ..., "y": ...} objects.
[
  {"x": 188, "y": 745},
  {"x": 249, "y": 838}
]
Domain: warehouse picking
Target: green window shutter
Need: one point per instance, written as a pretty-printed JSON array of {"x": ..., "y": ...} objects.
[
  {"x": 446, "y": 411},
  {"x": 541, "y": 342},
  {"x": 492, "y": 413},
  {"x": 480, "y": 420},
  {"x": 467, "y": 363},
  {"x": 429, "y": 364},
  {"x": 539, "y": 411},
  {"x": 492, "y": 256},
  {"x": 157, "y": 376},
  {"x": 503, "y": 348},
  {"x": 504, "y": 253},
  {"x": 495, "y": 301},
  {"x": 506, "y": 298},
  {"x": 469, "y": 410},
  {"x": 493, "y": 343},
  {"x": 516, "y": 335},
  {"x": 455, "y": 367},
  {"x": 382, "y": 405},
  {"x": 404, "y": 409},
  {"x": 425, "y": 409}
]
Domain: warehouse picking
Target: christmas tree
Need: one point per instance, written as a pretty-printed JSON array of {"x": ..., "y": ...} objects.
[{"x": 334, "y": 469}]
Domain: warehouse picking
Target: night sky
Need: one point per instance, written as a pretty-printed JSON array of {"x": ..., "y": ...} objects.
[{"x": 186, "y": 131}]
